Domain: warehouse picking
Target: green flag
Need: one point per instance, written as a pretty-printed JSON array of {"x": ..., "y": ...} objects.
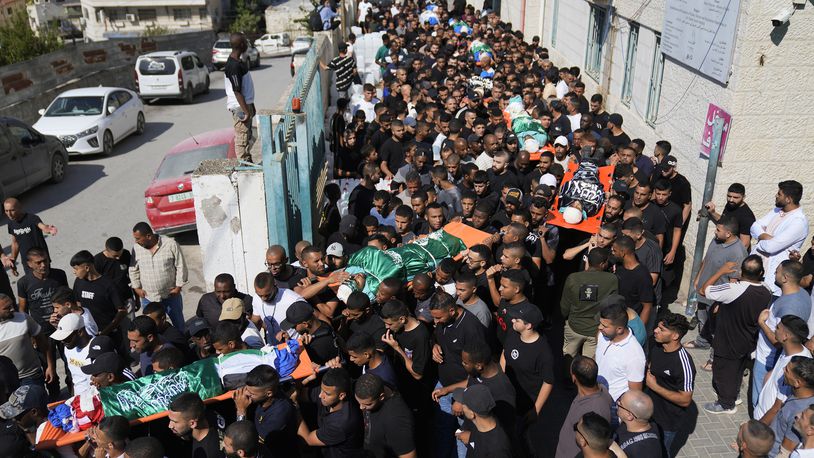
[{"x": 152, "y": 394}]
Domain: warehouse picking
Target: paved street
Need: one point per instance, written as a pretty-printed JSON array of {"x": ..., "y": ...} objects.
[{"x": 104, "y": 196}]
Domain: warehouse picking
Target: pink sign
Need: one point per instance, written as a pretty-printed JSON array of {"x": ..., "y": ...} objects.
[{"x": 714, "y": 111}]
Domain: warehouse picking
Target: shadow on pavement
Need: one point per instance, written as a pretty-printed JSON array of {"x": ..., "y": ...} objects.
[
  {"x": 78, "y": 177},
  {"x": 189, "y": 238}
]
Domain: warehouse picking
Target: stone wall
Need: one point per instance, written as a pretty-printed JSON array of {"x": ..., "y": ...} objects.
[{"x": 32, "y": 85}]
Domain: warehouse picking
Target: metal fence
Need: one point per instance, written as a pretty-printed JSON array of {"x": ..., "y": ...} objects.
[{"x": 293, "y": 150}]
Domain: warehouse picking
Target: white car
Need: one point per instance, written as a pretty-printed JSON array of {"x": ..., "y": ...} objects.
[
  {"x": 271, "y": 42},
  {"x": 301, "y": 45},
  {"x": 171, "y": 74},
  {"x": 222, "y": 49},
  {"x": 91, "y": 120}
]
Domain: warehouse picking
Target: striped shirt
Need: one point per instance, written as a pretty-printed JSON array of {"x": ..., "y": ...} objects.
[
  {"x": 15, "y": 343},
  {"x": 343, "y": 66},
  {"x": 674, "y": 371},
  {"x": 157, "y": 273}
]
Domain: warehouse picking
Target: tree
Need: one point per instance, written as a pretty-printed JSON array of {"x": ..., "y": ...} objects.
[
  {"x": 246, "y": 19},
  {"x": 19, "y": 43},
  {"x": 155, "y": 31}
]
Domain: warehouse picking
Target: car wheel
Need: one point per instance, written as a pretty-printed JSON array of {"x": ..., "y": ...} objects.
[
  {"x": 107, "y": 143},
  {"x": 257, "y": 62},
  {"x": 140, "y": 123},
  {"x": 206, "y": 86},
  {"x": 58, "y": 165},
  {"x": 189, "y": 94}
]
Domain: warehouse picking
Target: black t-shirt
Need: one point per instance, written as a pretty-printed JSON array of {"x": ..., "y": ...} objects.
[
  {"x": 636, "y": 286},
  {"x": 489, "y": 444},
  {"x": 498, "y": 181},
  {"x": 324, "y": 345},
  {"x": 28, "y": 234},
  {"x": 736, "y": 326},
  {"x": 389, "y": 430},
  {"x": 528, "y": 366},
  {"x": 672, "y": 216},
  {"x": 37, "y": 294},
  {"x": 505, "y": 399},
  {"x": 504, "y": 323},
  {"x": 100, "y": 297},
  {"x": 417, "y": 344},
  {"x": 209, "y": 307},
  {"x": 600, "y": 121},
  {"x": 210, "y": 446},
  {"x": 562, "y": 126},
  {"x": 378, "y": 138},
  {"x": 452, "y": 338},
  {"x": 233, "y": 71},
  {"x": 360, "y": 202},
  {"x": 289, "y": 280},
  {"x": 277, "y": 426},
  {"x": 616, "y": 140},
  {"x": 646, "y": 443},
  {"x": 682, "y": 192},
  {"x": 653, "y": 219},
  {"x": 674, "y": 371},
  {"x": 372, "y": 326},
  {"x": 116, "y": 270},
  {"x": 744, "y": 216},
  {"x": 341, "y": 431},
  {"x": 392, "y": 152}
]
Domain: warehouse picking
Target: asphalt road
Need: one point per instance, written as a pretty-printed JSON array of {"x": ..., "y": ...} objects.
[{"x": 104, "y": 196}]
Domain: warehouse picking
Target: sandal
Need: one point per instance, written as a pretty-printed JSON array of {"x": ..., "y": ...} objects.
[
  {"x": 707, "y": 366},
  {"x": 694, "y": 346}
]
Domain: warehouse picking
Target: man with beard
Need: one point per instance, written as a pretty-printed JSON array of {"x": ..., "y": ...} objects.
[
  {"x": 387, "y": 419},
  {"x": 602, "y": 239},
  {"x": 190, "y": 420},
  {"x": 240, "y": 441},
  {"x": 652, "y": 217},
  {"x": 71, "y": 332},
  {"x": 211, "y": 304},
  {"x": 285, "y": 274},
  {"x": 738, "y": 209},
  {"x": 275, "y": 416},
  {"x": 315, "y": 289},
  {"x": 201, "y": 338},
  {"x": 339, "y": 424},
  {"x": 724, "y": 248}
]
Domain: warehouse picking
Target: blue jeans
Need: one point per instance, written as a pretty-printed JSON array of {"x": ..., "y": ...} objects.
[
  {"x": 446, "y": 446},
  {"x": 174, "y": 306},
  {"x": 759, "y": 371},
  {"x": 667, "y": 440}
]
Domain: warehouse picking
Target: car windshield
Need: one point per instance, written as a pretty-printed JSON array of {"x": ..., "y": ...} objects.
[
  {"x": 156, "y": 66},
  {"x": 303, "y": 40},
  {"x": 185, "y": 163},
  {"x": 77, "y": 106},
  {"x": 222, "y": 45}
]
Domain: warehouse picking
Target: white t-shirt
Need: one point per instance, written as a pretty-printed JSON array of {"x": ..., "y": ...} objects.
[
  {"x": 90, "y": 324},
  {"x": 575, "y": 120},
  {"x": 802, "y": 453},
  {"x": 273, "y": 313},
  {"x": 78, "y": 357},
  {"x": 775, "y": 387},
  {"x": 436, "y": 147},
  {"x": 367, "y": 108},
  {"x": 562, "y": 89},
  {"x": 619, "y": 363},
  {"x": 364, "y": 9},
  {"x": 484, "y": 162}
]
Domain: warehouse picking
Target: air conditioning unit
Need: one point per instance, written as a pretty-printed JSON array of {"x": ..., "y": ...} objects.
[{"x": 130, "y": 18}]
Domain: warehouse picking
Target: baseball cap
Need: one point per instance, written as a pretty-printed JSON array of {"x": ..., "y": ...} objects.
[
  {"x": 297, "y": 313},
  {"x": 106, "y": 362},
  {"x": 100, "y": 345},
  {"x": 561, "y": 140},
  {"x": 616, "y": 119},
  {"x": 335, "y": 249},
  {"x": 669, "y": 162},
  {"x": 477, "y": 397},
  {"x": 527, "y": 312},
  {"x": 514, "y": 196},
  {"x": 67, "y": 325},
  {"x": 195, "y": 325},
  {"x": 347, "y": 225},
  {"x": 233, "y": 309},
  {"x": 511, "y": 138},
  {"x": 620, "y": 187},
  {"x": 24, "y": 398}
]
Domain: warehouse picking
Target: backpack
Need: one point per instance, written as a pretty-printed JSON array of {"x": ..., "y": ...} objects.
[{"x": 315, "y": 20}]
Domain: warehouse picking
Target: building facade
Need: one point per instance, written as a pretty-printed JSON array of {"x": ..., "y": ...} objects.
[
  {"x": 8, "y": 7},
  {"x": 121, "y": 18},
  {"x": 769, "y": 90}
]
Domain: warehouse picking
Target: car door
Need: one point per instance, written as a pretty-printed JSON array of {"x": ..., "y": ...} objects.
[
  {"x": 33, "y": 152},
  {"x": 116, "y": 121},
  {"x": 127, "y": 106},
  {"x": 12, "y": 175},
  {"x": 201, "y": 70},
  {"x": 190, "y": 71}
]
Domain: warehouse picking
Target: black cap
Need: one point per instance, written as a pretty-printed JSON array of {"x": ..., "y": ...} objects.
[
  {"x": 527, "y": 312},
  {"x": 195, "y": 325},
  {"x": 297, "y": 313},
  {"x": 477, "y": 398},
  {"x": 669, "y": 162},
  {"x": 106, "y": 362},
  {"x": 620, "y": 187},
  {"x": 99, "y": 345},
  {"x": 514, "y": 196},
  {"x": 347, "y": 225}
]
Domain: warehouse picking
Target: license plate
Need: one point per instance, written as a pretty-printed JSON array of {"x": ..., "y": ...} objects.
[{"x": 180, "y": 196}]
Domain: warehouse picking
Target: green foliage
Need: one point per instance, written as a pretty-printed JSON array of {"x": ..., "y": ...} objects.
[
  {"x": 155, "y": 31},
  {"x": 247, "y": 19},
  {"x": 306, "y": 13},
  {"x": 19, "y": 43}
]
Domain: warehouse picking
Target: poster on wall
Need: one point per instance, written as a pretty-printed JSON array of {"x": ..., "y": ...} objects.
[
  {"x": 714, "y": 111},
  {"x": 701, "y": 34}
]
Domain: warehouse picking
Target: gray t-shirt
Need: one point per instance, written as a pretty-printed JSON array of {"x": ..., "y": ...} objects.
[
  {"x": 783, "y": 423},
  {"x": 717, "y": 255},
  {"x": 451, "y": 199},
  {"x": 480, "y": 310}
]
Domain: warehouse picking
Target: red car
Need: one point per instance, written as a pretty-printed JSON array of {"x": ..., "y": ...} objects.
[{"x": 168, "y": 199}]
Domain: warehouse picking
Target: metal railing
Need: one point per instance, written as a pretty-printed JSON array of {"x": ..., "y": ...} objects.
[{"x": 293, "y": 151}]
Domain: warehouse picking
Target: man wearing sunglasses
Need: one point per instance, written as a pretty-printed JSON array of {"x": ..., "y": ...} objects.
[{"x": 636, "y": 434}]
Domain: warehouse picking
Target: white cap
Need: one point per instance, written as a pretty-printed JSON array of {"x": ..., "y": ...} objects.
[
  {"x": 572, "y": 215},
  {"x": 561, "y": 140},
  {"x": 549, "y": 180},
  {"x": 335, "y": 249},
  {"x": 67, "y": 325}
]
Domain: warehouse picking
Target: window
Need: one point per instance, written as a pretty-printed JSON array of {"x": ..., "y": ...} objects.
[
  {"x": 181, "y": 14},
  {"x": 655, "y": 83},
  {"x": 23, "y": 135},
  {"x": 146, "y": 14},
  {"x": 123, "y": 97},
  {"x": 187, "y": 63},
  {"x": 203, "y": 13},
  {"x": 554, "y": 15},
  {"x": 114, "y": 14},
  {"x": 596, "y": 41},
  {"x": 630, "y": 62}
]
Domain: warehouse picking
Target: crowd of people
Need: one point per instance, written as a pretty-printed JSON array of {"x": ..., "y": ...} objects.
[{"x": 539, "y": 341}]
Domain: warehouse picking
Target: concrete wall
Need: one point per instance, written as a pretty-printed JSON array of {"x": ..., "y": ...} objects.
[
  {"x": 31, "y": 85},
  {"x": 768, "y": 94}
]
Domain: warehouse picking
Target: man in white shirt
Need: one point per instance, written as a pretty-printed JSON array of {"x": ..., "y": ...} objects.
[
  {"x": 269, "y": 306},
  {"x": 780, "y": 231},
  {"x": 71, "y": 332},
  {"x": 791, "y": 332},
  {"x": 368, "y": 103},
  {"x": 619, "y": 356}
]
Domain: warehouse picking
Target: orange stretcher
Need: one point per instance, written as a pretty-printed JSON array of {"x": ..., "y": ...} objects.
[
  {"x": 592, "y": 223},
  {"x": 52, "y": 437}
]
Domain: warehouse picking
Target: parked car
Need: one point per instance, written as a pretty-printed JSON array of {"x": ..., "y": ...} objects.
[
  {"x": 92, "y": 119},
  {"x": 168, "y": 199},
  {"x": 301, "y": 45},
  {"x": 272, "y": 42},
  {"x": 28, "y": 158},
  {"x": 171, "y": 74},
  {"x": 222, "y": 49}
]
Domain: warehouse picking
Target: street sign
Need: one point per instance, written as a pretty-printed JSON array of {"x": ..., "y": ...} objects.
[{"x": 713, "y": 112}]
